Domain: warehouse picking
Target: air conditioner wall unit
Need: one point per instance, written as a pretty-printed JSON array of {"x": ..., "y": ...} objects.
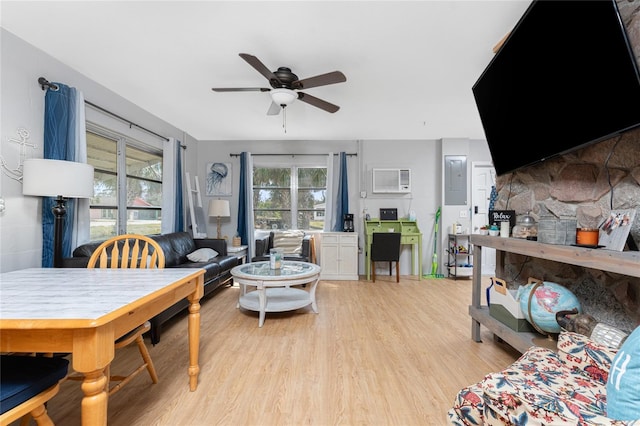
[{"x": 391, "y": 181}]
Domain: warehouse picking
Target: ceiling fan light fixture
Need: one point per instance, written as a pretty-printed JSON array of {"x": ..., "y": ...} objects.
[{"x": 283, "y": 97}]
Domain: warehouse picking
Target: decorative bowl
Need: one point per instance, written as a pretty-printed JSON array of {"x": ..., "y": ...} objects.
[{"x": 494, "y": 232}]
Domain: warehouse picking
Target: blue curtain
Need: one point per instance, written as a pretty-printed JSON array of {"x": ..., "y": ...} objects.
[
  {"x": 245, "y": 204},
  {"x": 178, "y": 217},
  {"x": 342, "y": 197},
  {"x": 60, "y": 109},
  {"x": 243, "y": 228}
]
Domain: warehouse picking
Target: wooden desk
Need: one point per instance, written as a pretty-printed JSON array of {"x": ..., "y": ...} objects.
[
  {"x": 83, "y": 311},
  {"x": 410, "y": 234}
]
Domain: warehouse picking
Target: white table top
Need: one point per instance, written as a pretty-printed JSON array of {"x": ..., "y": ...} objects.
[{"x": 79, "y": 293}]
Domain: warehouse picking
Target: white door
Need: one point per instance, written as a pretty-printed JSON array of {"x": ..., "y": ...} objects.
[{"x": 482, "y": 180}]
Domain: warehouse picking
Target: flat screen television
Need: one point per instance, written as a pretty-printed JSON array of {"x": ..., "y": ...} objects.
[{"x": 564, "y": 78}]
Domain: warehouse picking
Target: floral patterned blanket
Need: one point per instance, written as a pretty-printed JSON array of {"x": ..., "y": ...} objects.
[{"x": 543, "y": 388}]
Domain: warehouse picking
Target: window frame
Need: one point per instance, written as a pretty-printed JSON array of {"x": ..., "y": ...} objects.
[
  {"x": 122, "y": 142},
  {"x": 294, "y": 188}
]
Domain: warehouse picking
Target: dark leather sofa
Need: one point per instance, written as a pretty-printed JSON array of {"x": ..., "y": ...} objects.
[
  {"x": 176, "y": 246},
  {"x": 265, "y": 244}
]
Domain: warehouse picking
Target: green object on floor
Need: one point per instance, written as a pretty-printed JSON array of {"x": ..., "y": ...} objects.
[{"x": 434, "y": 262}]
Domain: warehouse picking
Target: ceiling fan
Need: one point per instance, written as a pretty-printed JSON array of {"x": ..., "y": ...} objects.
[{"x": 285, "y": 86}]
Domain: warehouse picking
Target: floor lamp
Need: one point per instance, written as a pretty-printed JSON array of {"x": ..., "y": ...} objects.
[
  {"x": 60, "y": 179},
  {"x": 219, "y": 208}
]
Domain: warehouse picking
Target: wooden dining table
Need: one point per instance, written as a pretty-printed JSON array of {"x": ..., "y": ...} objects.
[{"x": 83, "y": 311}]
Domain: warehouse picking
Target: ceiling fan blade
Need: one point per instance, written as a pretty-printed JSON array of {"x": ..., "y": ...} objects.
[
  {"x": 317, "y": 102},
  {"x": 320, "y": 80},
  {"x": 240, "y": 89},
  {"x": 260, "y": 67},
  {"x": 274, "y": 109}
]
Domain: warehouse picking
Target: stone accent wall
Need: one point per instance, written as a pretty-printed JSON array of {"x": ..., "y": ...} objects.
[
  {"x": 630, "y": 14},
  {"x": 585, "y": 184}
]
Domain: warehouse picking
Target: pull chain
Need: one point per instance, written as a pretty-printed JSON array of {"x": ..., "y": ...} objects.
[{"x": 284, "y": 117}]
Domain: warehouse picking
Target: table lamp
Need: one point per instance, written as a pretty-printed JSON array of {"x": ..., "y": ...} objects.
[
  {"x": 60, "y": 179},
  {"x": 219, "y": 208}
]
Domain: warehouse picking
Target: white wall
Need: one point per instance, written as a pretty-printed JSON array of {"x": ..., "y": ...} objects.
[
  {"x": 474, "y": 150},
  {"x": 22, "y": 102},
  {"x": 422, "y": 157}
]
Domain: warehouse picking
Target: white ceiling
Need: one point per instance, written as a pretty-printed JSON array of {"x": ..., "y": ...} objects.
[{"x": 409, "y": 65}]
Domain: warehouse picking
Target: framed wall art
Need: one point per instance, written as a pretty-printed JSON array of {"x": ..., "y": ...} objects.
[
  {"x": 219, "y": 179},
  {"x": 614, "y": 231}
]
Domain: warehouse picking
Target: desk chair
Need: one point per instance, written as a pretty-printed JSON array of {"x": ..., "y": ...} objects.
[
  {"x": 385, "y": 247},
  {"x": 26, "y": 384},
  {"x": 130, "y": 251}
]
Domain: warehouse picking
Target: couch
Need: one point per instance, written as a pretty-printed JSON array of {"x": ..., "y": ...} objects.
[
  {"x": 543, "y": 387},
  {"x": 296, "y": 245},
  {"x": 176, "y": 247}
]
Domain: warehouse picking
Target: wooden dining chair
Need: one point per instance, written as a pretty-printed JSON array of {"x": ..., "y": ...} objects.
[
  {"x": 130, "y": 251},
  {"x": 27, "y": 383},
  {"x": 385, "y": 247}
]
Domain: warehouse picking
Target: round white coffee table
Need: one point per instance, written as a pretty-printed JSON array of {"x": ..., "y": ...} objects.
[{"x": 273, "y": 292}]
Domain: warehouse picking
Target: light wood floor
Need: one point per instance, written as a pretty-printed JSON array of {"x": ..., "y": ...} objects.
[{"x": 377, "y": 354}]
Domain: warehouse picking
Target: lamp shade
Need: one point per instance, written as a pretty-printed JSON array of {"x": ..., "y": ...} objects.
[
  {"x": 52, "y": 178},
  {"x": 283, "y": 96},
  {"x": 219, "y": 208}
]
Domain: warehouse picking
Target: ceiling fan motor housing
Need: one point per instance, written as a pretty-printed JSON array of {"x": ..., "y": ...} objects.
[{"x": 285, "y": 78}]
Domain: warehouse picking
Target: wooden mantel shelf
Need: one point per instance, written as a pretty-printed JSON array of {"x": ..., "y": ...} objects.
[{"x": 625, "y": 262}]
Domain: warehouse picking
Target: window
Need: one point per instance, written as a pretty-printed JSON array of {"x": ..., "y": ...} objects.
[
  {"x": 127, "y": 186},
  {"x": 289, "y": 197}
]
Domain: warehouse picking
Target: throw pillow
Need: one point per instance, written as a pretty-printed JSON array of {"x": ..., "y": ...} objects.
[
  {"x": 290, "y": 242},
  {"x": 623, "y": 386},
  {"x": 582, "y": 354},
  {"x": 202, "y": 255}
]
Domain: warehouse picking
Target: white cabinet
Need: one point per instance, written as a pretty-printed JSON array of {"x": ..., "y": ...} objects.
[{"x": 339, "y": 256}]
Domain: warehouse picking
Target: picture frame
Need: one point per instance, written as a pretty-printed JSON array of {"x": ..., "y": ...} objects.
[
  {"x": 219, "y": 179},
  {"x": 614, "y": 231}
]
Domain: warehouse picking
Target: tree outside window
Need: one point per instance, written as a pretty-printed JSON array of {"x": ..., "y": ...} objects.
[
  {"x": 127, "y": 187},
  {"x": 289, "y": 197}
]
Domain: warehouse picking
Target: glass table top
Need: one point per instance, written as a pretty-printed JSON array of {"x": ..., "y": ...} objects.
[{"x": 263, "y": 270}]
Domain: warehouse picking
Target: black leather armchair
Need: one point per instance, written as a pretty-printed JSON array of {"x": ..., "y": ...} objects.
[{"x": 265, "y": 244}]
